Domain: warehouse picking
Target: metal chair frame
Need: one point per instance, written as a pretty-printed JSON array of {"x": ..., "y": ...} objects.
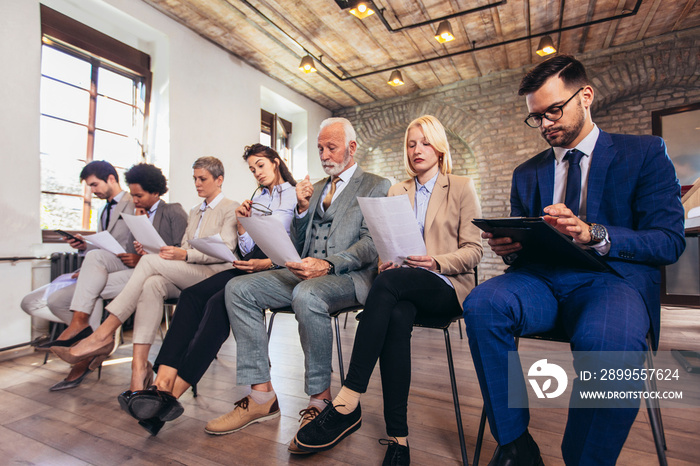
[{"x": 334, "y": 315}]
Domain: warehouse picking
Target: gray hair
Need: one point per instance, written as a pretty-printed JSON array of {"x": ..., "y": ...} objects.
[
  {"x": 350, "y": 134},
  {"x": 210, "y": 164}
]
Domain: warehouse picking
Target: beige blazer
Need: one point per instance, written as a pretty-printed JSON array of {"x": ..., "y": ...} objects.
[
  {"x": 220, "y": 219},
  {"x": 450, "y": 236}
]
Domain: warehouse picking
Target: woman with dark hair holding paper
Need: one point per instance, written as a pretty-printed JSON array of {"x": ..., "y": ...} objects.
[
  {"x": 422, "y": 287},
  {"x": 200, "y": 324}
]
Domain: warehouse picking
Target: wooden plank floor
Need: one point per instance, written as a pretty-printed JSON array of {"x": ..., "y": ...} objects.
[{"x": 86, "y": 426}]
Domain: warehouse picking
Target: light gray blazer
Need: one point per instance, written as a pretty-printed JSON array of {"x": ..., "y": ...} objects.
[
  {"x": 117, "y": 226},
  {"x": 350, "y": 246},
  {"x": 170, "y": 222}
]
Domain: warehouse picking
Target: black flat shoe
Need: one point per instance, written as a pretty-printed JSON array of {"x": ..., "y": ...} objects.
[
  {"x": 66, "y": 384},
  {"x": 153, "y": 425},
  {"x": 328, "y": 428},
  {"x": 154, "y": 403},
  {"x": 396, "y": 455},
  {"x": 84, "y": 333}
]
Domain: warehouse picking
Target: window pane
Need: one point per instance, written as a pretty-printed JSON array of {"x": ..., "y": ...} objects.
[
  {"x": 65, "y": 67},
  {"x": 118, "y": 150},
  {"x": 63, "y": 212},
  {"x": 115, "y": 116},
  {"x": 61, "y": 175},
  {"x": 62, "y": 139},
  {"x": 115, "y": 85},
  {"x": 64, "y": 101}
]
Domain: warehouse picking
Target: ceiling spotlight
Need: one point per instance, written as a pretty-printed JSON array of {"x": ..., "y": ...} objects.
[
  {"x": 395, "y": 79},
  {"x": 307, "y": 65},
  {"x": 444, "y": 32},
  {"x": 546, "y": 47},
  {"x": 360, "y": 9}
]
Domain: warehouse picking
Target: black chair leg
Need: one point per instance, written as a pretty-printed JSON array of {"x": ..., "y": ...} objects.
[
  {"x": 340, "y": 350},
  {"x": 459, "y": 324},
  {"x": 480, "y": 437},
  {"x": 455, "y": 398},
  {"x": 52, "y": 336},
  {"x": 269, "y": 326},
  {"x": 656, "y": 429},
  {"x": 194, "y": 390}
]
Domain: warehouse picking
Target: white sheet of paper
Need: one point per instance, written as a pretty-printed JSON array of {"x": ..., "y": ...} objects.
[
  {"x": 144, "y": 232},
  {"x": 213, "y": 246},
  {"x": 269, "y": 234},
  {"x": 104, "y": 240},
  {"x": 393, "y": 226}
]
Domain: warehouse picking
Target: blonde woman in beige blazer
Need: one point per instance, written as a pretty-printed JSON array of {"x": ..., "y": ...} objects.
[
  {"x": 161, "y": 276},
  {"x": 427, "y": 286}
]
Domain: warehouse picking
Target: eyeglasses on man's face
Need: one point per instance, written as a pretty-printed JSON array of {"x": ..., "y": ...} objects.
[
  {"x": 263, "y": 209},
  {"x": 553, "y": 113}
]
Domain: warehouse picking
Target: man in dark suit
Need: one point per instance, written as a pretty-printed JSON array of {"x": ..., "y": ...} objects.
[
  {"x": 338, "y": 266},
  {"x": 103, "y": 274},
  {"x": 616, "y": 194}
]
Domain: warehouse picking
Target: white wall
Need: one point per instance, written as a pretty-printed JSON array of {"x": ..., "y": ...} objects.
[{"x": 205, "y": 102}]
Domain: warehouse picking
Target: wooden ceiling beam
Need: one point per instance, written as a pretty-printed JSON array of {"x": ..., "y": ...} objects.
[
  {"x": 612, "y": 29},
  {"x": 647, "y": 19},
  {"x": 584, "y": 32},
  {"x": 684, "y": 14}
]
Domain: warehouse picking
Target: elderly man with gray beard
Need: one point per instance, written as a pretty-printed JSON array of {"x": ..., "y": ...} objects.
[{"x": 338, "y": 266}]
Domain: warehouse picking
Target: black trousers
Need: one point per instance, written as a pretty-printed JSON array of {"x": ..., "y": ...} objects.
[
  {"x": 200, "y": 326},
  {"x": 398, "y": 298}
]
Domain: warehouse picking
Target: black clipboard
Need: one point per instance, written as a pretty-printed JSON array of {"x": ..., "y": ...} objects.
[{"x": 542, "y": 243}]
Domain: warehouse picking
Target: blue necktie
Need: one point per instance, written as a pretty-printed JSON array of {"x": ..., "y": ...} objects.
[{"x": 573, "y": 180}]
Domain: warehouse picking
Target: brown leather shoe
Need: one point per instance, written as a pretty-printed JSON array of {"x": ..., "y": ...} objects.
[
  {"x": 306, "y": 416},
  {"x": 247, "y": 412}
]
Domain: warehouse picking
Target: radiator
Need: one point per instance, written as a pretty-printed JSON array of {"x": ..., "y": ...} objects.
[{"x": 65, "y": 262}]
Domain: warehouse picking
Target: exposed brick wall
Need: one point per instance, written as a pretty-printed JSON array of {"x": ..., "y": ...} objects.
[{"x": 484, "y": 116}]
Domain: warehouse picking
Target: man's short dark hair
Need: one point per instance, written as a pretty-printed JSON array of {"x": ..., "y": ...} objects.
[
  {"x": 100, "y": 169},
  {"x": 570, "y": 70},
  {"x": 149, "y": 176}
]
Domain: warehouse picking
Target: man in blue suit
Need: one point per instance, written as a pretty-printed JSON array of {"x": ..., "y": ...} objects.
[{"x": 616, "y": 194}]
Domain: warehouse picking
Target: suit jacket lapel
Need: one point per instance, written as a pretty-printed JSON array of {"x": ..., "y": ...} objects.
[
  {"x": 159, "y": 216},
  {"x": 602, "y": 156},
  {"x": 545, "y": 180},
  {"x": 118, "y": 209},
  {"x": 346, "y": 198},
  {"x": 442, "y": 186},
  {"x": 313, "y": 206}
]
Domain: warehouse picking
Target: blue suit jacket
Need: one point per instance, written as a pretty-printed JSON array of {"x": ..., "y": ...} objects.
[{"x": 633, "y": 191}]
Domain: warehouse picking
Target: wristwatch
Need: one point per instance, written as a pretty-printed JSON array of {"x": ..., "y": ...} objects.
[
  {"x": 331, "y": 268},
  {"x": 598, "y": 233}
]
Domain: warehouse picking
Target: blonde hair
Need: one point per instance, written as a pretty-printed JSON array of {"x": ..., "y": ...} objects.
[{"x": 434, "y": 132}]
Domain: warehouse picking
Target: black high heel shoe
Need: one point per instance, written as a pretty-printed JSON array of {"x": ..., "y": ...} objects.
[
  {"x": 153, "y": 425},
  {"x": 84, "y": 333},
  {"x": 124, "y": 397},
  {"x": 154, "y": 403}
]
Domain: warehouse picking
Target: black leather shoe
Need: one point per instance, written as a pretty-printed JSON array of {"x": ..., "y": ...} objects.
[
  {"x": 523, "y": 451},
  {"x": 396, "y": 455},
  {"x": 328, "y": 428},
  {"x": 153, "y": 403},
  {"x": 153, "y": 426},
  {"x": 123, "y": 399},
  {"x": 84, "y": 333}
]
